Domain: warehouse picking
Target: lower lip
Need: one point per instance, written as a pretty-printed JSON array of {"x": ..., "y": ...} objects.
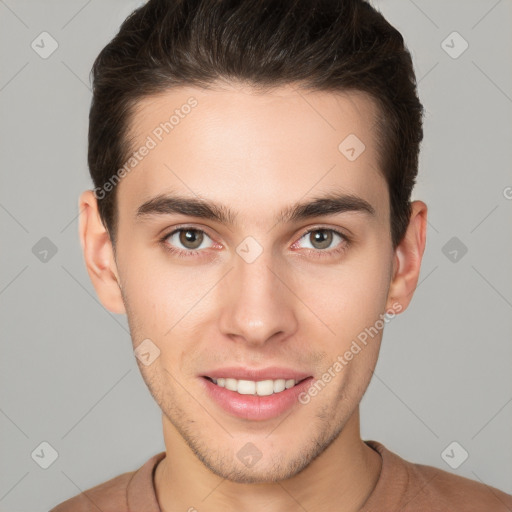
[{"x": 252, "y": 407}]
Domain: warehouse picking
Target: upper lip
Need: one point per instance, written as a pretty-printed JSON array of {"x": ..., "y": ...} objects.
[{"x": 270, "y": 373}]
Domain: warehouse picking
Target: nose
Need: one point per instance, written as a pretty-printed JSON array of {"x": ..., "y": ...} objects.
[{"x": 258, "y": 304}]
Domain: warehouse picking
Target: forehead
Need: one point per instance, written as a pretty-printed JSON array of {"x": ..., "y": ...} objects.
[{"x": 253, "y": 151}]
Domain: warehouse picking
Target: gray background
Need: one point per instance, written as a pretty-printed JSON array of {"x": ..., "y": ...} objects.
[{"x": 68, "y": 374}]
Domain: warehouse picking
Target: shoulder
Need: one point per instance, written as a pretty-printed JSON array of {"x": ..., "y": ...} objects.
[
  {"x": 413, "y": 487},
  {"x": 109, "y": 496},
  {"x": 132, "y": 490},
  {"x": 449, "y": 491}
]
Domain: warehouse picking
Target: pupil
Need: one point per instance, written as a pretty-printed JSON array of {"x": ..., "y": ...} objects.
[
  {"x": 322, "y": 237},
  {"x": 191, "y": 236}
]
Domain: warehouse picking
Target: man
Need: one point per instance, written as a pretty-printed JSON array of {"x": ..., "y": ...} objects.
[{"x": 253, "y": 163}]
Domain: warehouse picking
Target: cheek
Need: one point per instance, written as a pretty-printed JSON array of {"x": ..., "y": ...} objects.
[
  {"x": 166, "y": 301},
  {"x": 351, "y": 297},
  {"x": 163, "y": 299},
  {"x": 153, "y": 295}
]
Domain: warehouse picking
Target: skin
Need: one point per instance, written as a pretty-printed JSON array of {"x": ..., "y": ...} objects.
[{"x": 256, "y": 154}]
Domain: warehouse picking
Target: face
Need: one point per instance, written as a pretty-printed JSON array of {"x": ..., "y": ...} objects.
[{"x": 245, "y": 286}]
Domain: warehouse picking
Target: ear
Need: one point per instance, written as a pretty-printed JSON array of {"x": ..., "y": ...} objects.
[
  {"x": 407, "y": 258},
  {"x": 98, "y": 254}
]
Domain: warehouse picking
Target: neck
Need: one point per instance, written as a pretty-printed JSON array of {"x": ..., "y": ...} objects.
[{"x": 340, "y": 478}]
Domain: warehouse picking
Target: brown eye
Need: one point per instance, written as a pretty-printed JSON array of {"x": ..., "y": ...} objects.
[
  {"x": 321, "y": 238},
  {"x": 187, "y": 239},
  {"x": 191, "y": 238}
]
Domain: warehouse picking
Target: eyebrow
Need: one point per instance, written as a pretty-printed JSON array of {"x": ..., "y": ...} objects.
[{"x": 330, "y": 204}]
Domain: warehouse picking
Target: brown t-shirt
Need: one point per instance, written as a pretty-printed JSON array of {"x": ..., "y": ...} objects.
[{"x": 402, "y": 487}]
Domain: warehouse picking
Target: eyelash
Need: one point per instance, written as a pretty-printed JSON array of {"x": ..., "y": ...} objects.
[{"x": 318, "y": 253}]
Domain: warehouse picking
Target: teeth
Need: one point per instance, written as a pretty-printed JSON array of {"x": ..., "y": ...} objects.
[{"x": 259, "y": 388}]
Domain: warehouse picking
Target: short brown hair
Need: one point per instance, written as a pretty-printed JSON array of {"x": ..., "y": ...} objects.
[{"x": 324, "y": 45}]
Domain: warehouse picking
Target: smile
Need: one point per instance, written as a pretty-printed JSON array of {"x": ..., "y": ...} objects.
[
  {"x": 257, "y": 388},
  {"x": 255, "y": 400}
]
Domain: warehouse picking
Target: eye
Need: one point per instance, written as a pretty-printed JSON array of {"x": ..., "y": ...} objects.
[
  {"x": 187, "y": 239},
  {"x": 321, "y": 239}
]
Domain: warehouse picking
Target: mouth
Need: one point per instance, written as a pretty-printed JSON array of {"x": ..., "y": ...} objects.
[
  {"x": 256, "y": 400},
  {"x": 256, "y": 388}
]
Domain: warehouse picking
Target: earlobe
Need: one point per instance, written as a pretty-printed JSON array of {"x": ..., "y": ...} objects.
[
  {"x": 407, "y": 258},
  {"x": 98, "y": 254}
]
